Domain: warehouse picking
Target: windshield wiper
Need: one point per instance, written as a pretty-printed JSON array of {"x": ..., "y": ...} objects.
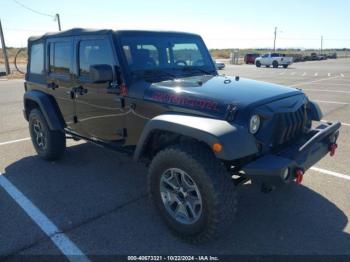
[
  {"x": 153, "y": 73},
  {"x": 188, "y": 68}
]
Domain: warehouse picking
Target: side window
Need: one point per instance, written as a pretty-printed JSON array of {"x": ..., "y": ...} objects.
[
  {"x": 265, "y": 56},
  {"x": 37, "y": 59},
  {"x": 152, "y": 51},
  {"x": 189, "y": 53},
  {"x": 60, "y": 57},
  {"x": 142, "y": 56},
  {"x": 93, "y": 52}
]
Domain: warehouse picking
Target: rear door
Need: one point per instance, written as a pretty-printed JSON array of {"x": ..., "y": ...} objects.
[
  {"x": 59, "y": 75},
  {"x": 99, "y": 109}
]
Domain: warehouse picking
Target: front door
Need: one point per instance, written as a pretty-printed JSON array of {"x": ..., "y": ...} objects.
[{"x": 98, "y": 108}]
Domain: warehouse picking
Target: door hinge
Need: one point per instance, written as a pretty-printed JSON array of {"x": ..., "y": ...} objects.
[
  {"x": 123, "y": 102},
  {"x": 122, "y": 132}
]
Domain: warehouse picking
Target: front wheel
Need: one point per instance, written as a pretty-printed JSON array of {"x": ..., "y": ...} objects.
[
  {"x": 274, "y": 64},
  {"x": 285, "y": 66},
  {"x": 258, "y": 64},
  {"x": 49, "y": 144},
  {"x": 192, "y": 192}
]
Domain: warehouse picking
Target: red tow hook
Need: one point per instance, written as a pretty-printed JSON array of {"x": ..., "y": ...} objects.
[
  {"x": 299, "y": 173},
  {"x": 332, "y": 149}
]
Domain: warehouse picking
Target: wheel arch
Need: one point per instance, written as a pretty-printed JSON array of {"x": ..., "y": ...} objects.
[
  {"x": 47, "y": 105},
  {"x": 236, "y": 141}
]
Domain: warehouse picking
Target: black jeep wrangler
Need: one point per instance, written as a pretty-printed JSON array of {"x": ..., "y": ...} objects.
[{"x": 158, "y": 96}]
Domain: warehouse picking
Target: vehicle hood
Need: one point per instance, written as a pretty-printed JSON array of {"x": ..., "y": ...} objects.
[{"x": 212, "y": 95}]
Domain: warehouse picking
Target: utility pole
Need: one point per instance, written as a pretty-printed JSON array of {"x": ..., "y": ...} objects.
[
  {"x": 59, "y": 22},
  {"x": 4, "y": 51},
  {"x": 274, "y": 41},
  {"x": 321, "y": 44}
]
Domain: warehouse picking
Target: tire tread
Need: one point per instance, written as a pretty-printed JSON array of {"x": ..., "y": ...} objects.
[
  {"x": 218, "y": 181},
  {"x": 56, "y": 139}
]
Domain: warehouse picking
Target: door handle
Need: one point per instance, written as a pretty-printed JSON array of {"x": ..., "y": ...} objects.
[
  {"x": 82, "y": 91},
  {"x": 79, "y": 90},
  {"x": 52, "y": 85}
]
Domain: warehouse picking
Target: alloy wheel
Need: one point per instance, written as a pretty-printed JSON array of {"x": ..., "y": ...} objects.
[{"x": 180, "y": 196}]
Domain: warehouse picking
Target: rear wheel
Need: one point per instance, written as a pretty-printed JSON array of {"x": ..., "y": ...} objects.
[
  {"x": 285, "y": 66},
  {"x": 275, "y": 64},
  {"x": 49, "y": 144},
  {"x": 192, "y": 192},
  {"x": 258, "y": 64}
]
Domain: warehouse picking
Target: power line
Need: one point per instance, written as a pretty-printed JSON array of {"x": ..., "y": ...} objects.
[
  {"x": 32, "y": 10},
  {"x": 56, "y": 16}
]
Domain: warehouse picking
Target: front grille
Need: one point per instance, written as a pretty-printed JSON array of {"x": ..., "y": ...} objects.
[{"x": 289, "y": 125}]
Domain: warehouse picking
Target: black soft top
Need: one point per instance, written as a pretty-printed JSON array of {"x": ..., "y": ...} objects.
[
  {"x": 82, "y": 31},
  {"x": 71, "y": 32}
]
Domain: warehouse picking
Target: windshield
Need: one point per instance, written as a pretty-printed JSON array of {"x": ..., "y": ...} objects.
[{"x": 154, "y": 57}]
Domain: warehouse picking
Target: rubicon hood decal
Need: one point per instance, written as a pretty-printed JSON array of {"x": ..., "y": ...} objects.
[{"x": 187, "y": 101}]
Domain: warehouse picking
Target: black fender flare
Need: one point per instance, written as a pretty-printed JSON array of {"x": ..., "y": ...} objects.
[
  {"x": 236, "y": 141},
  {"x": 47, "y": 106}
]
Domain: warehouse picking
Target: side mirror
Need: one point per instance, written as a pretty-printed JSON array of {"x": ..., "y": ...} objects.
[{"x": 101, "y": 74}]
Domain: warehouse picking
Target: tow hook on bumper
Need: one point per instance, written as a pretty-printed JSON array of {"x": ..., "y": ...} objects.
[
  {"x": 299, "y": 174},
  {"x": 332, "y": 148}
]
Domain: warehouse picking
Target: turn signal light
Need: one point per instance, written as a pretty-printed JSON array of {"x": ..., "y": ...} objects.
[{"x": 217, "y": 148}]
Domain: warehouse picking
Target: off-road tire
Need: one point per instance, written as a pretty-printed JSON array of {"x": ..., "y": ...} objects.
[
  {"x": 275, "y": 64},
  {"x": 258, "y": 64},
  {"x": 285, "y": 66},
  {"x": 55, "y": 140},
  {"x": 215, "y": 185}
]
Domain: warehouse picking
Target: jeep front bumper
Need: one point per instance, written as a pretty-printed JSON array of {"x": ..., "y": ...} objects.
[{"x": 285, "y": 166}]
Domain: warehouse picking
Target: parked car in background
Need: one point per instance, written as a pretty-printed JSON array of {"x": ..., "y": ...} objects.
[
  {"x": 315, "y": 56},
  {"x": 297, "y": 57},
  {"x": 273, "y": 59},
  {"x": 307, "y": 58},
  {"x": 250, "y": 58},
  {"x": 219, "y": 65},
  {"x": 332, "y": 56},
  {"x": 323, "y": 57}
]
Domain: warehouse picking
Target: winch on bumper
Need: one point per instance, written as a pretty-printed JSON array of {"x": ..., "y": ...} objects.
[{"x": 290, "y": 164}]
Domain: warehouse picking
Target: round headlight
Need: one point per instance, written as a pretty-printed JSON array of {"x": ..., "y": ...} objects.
[{"x": 254, "y": 124}]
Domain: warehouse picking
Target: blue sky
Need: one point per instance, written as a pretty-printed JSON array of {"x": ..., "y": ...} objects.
[{"x": 222, "y": 24}]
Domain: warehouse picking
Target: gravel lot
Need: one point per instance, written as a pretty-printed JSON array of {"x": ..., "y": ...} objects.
[{"x": 98, "y": 198}]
